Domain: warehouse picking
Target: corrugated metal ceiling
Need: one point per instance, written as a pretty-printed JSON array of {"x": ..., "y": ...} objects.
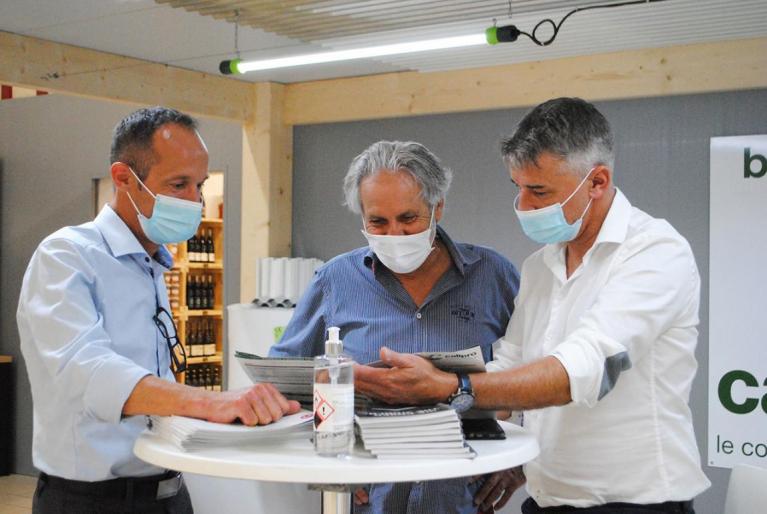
[
  {"x": 339, "y": 24},
  {"x": 316, "y": 20}
]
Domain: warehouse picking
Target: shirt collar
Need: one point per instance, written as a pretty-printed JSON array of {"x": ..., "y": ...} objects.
[
  {"x": 614, "y": 229},
  {"x": 122, "y": 241},
  {"x": 616, "y": 224},
  {"x": 461, "y": 257}
]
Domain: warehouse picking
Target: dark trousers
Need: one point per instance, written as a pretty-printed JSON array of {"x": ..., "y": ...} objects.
[
  {"x": 119, "y": 496},
  {"x": 530, "y": 507}
]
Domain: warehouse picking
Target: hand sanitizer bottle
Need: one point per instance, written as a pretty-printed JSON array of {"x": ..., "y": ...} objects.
[{"x": 333, "y": 399}]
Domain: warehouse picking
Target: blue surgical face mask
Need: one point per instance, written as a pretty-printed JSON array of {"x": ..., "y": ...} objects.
[
  {"x": 548, "y": 225},
  {"x": 173, "y": 220}
]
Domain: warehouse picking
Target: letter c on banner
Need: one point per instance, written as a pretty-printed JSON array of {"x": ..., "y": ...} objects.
[{"x": 725, "y": 391}]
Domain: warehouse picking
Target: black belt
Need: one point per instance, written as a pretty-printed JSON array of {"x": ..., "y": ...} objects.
[{"x": 154, "y": 487}]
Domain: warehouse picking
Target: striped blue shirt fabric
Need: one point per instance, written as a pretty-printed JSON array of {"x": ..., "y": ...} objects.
[{"x": 470, "y": 305}]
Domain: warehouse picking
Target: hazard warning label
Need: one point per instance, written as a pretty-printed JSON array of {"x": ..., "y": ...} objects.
[{"x": 322, "y": 409}]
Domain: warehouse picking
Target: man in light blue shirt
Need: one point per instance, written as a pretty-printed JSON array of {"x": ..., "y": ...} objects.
[
  {"x": 413, "y": 288},
  {"x": 97, "y": 339}
]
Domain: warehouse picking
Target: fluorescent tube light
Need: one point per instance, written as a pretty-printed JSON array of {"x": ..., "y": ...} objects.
[{"x": 237, "y": 66}]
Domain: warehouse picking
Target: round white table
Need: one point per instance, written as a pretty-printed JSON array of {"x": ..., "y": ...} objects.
[{"x": 293, "y": 460}]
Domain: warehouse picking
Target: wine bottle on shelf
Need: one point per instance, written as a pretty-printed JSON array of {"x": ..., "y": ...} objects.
[
  {"x": 210, "y": 339},
  {"x": 209, "y": 246},
  {"x": 204, "y": 293},
  {"x": 191, "y": 346},
  {"x": 191, "y": 339},
  {"x": 189, "y": 292},
  {"x": 217, "y": 379},
  {"x": 195, "y": 293},
  {"x": 199, "y": 339},
  {"x": 202, "y": 343},
  {"x": 192, "y": 247},
  {"x": 189, "y": 378},
  {"x": 203, "y": 290},
  {"x": 194, "y": 255},
  {"x": 211, "y": 292},
  {"x": 208, "y": 379},
  {"x": 189, "y": 248},
  {"x": 199, "y": 247}
]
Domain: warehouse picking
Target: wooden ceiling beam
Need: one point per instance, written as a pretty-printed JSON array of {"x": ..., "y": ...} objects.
[
  {"x": 685, "y": 69},
  {"x": 57, "y": 67}
]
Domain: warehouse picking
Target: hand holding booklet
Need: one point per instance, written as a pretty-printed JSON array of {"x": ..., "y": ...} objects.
[{"x": 469, "y": 360}]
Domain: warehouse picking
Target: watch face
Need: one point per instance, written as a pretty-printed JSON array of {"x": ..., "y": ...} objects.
[{"x": 462, "y": 402}]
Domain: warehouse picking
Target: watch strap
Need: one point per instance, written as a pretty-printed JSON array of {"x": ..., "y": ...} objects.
[{"x": 464, "y": 386}]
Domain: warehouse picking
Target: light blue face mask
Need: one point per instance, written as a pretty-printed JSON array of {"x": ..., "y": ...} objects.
[
  {"x": 173, "y": 220},
  {"x": 548, "y": 225}
]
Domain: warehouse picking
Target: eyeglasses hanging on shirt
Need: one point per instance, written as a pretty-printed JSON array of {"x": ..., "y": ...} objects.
[{"x": 167, "y": 328}]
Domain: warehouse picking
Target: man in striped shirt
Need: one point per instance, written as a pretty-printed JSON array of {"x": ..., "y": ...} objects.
[{"x": 413, "y": 288}]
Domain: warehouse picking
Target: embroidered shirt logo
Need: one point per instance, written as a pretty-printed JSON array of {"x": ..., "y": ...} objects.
[{"x": 462, "y": 312}]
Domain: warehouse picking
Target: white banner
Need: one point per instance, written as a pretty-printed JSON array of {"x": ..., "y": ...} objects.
[{"x": 737, "y": 373}]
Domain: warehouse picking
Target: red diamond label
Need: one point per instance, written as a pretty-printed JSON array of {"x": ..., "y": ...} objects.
[{"x": 322, "y": 409}]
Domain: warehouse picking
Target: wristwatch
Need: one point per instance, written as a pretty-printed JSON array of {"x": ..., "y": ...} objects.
[{"x": 463, "y": 399}]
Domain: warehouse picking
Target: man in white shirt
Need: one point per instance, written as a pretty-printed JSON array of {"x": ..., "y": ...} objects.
[
  {"x": 99, "y": 343},
  {"x": 600, "y": 350}
]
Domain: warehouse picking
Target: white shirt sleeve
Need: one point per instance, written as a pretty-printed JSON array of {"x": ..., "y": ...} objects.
[
  {"x": 653, "y": 285},
  {"x": 67, "y": 340},
  {"x": 507, "y": 351}
]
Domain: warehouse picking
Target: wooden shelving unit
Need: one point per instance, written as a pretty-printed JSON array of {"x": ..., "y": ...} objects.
[{"x": 200, "y": 330}]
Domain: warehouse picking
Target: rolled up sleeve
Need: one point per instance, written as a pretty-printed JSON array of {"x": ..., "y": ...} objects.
[{"x": 654, "y": 281}]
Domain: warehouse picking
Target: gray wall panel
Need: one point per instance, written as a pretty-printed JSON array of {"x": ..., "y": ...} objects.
[{"x": 662, "y": 166}]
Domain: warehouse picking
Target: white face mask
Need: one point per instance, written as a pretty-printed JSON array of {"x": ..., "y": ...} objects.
[{"x": 403, "y": 254}]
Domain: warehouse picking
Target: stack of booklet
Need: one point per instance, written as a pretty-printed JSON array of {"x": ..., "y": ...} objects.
[
  {"x": 194, "y": 434},
  {"x": 432, "y": 432}
]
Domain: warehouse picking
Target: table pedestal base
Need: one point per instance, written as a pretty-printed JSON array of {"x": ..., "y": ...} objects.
[
  {"x": 334, "y": 502},
  {"x": 336, "y": 498}
]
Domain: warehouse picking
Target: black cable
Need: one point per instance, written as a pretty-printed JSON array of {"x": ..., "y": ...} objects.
[{"x": 557, "y": 26}]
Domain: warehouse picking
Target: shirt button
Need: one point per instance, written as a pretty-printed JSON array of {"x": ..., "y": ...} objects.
[
  {"x": 418, "y": 315},
  {"x": 146, "y": 259}
]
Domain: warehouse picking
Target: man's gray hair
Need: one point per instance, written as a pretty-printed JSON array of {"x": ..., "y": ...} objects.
[
  {"x": 395, "y": 156},
  {"x": 570, "y": 128}
]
